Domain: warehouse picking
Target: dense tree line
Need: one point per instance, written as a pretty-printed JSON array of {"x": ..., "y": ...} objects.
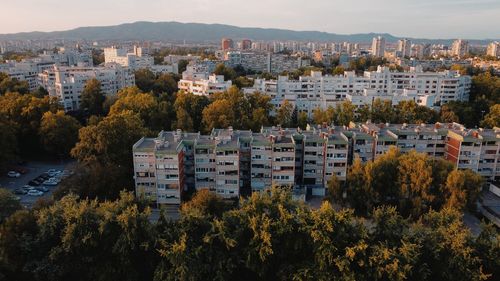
[
  {"x": 268, "y": 237},
  {"x": 412, "y": 182}
]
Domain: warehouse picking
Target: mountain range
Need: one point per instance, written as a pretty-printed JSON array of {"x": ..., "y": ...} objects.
[{"x": 199, "y": 32}]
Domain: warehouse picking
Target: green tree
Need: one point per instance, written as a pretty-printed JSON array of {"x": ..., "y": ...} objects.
[
  {"x": 382, "y": 111},
  {"x": 110, "y": 140},
  {"x": 345, "y": 113},
  {"x": 492, "y": 119},
  {"x": 9, "y": 204},
  {"x": 302, "y": 120},
  {"x": 284, "y": 114},
  {"x": 58, "y": 132},
  {"x": 145, "y": 80},
  {"x": 92, "y": 97},
  {"x": 226, "y": 71},
  {"x": 463, "y": 188},
  {"x": 8, "y": 142},
  {"x": 12, "y": 85}
]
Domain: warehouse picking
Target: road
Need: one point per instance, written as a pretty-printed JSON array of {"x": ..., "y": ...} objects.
[{"x": 35, "y": 168}]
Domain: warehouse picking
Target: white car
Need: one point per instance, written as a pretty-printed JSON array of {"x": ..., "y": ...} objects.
[
  {"x": 35, "y": 192},
  {"x": 13, "y": 174},
  {"x": 51, "y": 182}
]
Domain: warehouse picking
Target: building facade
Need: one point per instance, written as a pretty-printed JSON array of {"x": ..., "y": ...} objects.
[
  {"x": 322, "y": 91},
  {"x": 231, "y": 162},
  {"x": 67, "y": 83}
]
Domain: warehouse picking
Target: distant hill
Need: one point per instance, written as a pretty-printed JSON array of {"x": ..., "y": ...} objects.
[{"x": 198, "y": 32}]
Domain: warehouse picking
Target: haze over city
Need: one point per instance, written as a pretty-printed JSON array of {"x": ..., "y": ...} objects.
[
  {"x": 471, "y": 19},
  {"x": 249, "y": 140}
]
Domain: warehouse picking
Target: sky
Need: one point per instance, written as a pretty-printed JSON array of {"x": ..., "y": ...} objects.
[{"x": 470, "y": 19}]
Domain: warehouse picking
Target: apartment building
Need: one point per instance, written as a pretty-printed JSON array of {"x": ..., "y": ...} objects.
[
  {"x": 378, "y": 46},
  {"x": 477, "y": 150},
  {"x": 404, "y": 48},
  {"x": 460, "y": 48},
  {"x": 67, "y": 83},
  {"x": 233, "y": 162},
  {"x": 204, "y": 87},
  {"x": 322, "y": 91},
  {"x": 265, "y": 61},
  {"x": 29, "y": 69},
  {"x": 493, "y": 49},
  {"x": 133, "y": 60}
]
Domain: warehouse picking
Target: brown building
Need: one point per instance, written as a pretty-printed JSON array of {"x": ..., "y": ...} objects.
[{"x": 227, "y": 44}]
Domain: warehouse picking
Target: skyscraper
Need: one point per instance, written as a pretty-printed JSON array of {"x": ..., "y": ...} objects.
[
  {"x": 378, "y": 46},
  {"x": 460, "y": 48},
  {"x": 404, "y": 48}
]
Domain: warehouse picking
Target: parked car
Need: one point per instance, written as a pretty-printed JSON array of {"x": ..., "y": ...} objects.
[
  {"x": 42, "y": 188},
  {"x": 35, "y": 192},
  {"x": 13, "y": 174},
  {"x": 44, "y": 176},
  {"x": 53, "y": 172},
  {"x": 50, "y": 182},
  {"x": 20, "y": 191},
  {"x": 27, "y": 187},
  {"x": 34, "y": 182}
]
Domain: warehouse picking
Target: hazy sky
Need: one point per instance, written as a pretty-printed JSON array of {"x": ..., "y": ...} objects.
[{"x": 413, "y": 18}]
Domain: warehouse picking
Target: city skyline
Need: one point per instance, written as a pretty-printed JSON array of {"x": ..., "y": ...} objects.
[{"x": 456, "y": 19}]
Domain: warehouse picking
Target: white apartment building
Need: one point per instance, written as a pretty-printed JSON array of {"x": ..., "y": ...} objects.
[
  {"x": 378, "y": 46},
  {"x": 28, "y": 69},
  {"x": 493, "y": 49},
  {"x": 67, "y": 83},
  {"x": 205, "y": 87},
  {"x": 322, "y": 91},
  {"x": 404, "y": 48},
  {"x": 460, "y": 48},
  {"x": 134, "y": 60},
  {"x": 265, "y": 61}
]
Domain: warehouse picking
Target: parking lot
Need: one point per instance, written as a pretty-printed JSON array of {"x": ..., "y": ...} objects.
[{"x": 34, "y": 169}]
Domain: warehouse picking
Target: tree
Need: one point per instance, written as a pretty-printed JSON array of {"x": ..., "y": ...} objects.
[
  {"x": 92, "y": 98},
  {"x": 189, "y": 111},
  {"x": 226, "y": 71},
  {"x": 284, "y": 114},
  {"x": 335, "y": 192},
  {"x": 8, "y": 142},
  {"x": 302, "y": 120},
  {"x": 345, "y": 113},
  {"x": 447, "y": 115},
  {"x": 219, "y": 114},
  {"x": 358, "y": 189},
  {"x": 165, "y": 83},
  {"x": 382, "y": 111},
  {"x": 58, "y": 132},
  {"x": 145, "y": 80},
  {"x": 492, "y": 119},
  {"x": 110, "y": 140},
  {"x": 463, "y": 188},
  {"x": 24, "y": 114},
  {"x": 9, "y": 204},
  {"x": 12, "y": 85},
  {"x": 205, "y": 203},
  {"x": 143, "y": 104},
  {"x": 415, "y": 179}
]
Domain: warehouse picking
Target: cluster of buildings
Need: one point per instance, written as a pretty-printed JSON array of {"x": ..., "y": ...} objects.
[
  {"x": 264, "y": 61},
  {"x": 197, "y": 80},
  {"x": 429, "y": 89},
  {"x": 28, "y": 69},
  {"x": 137, "y": 59},
  {"x": 229, "y": 162},
  {"x": 64, "y": 73},
  {"x": 67, "y": 83}
]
